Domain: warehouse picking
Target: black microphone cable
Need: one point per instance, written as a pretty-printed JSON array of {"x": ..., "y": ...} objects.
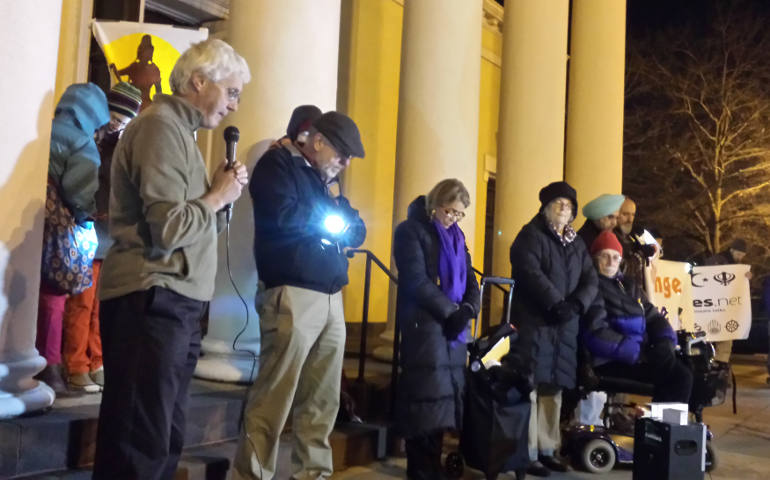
[
  {"x": 242, "y": 350},
  {"x": 232, "y": 135}
]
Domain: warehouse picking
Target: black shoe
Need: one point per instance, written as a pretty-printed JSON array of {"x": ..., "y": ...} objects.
[
  {"x": 553, "y": 463},
  {"x": 538, "y": 469}
]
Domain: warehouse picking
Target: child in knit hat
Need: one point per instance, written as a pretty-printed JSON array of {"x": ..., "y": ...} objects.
[{"x": 124, "y": 101}]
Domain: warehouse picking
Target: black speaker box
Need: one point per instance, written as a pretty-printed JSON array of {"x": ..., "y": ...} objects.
[{"x": 664, "y": 451}]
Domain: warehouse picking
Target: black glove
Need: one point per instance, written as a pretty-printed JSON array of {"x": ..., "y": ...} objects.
[
  {"x": 457, "y": 321},
  {"x": 564, "y": 311},
  {"x": 647, "y": 250}
]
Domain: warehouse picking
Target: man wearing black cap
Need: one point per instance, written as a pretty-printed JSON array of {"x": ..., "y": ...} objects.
[{"x": 301, "y": 232}]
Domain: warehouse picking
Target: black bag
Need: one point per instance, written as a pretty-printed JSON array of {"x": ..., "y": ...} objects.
[
  {"x": 496, "y": 407},
  {"x": 495, "y": 427}
]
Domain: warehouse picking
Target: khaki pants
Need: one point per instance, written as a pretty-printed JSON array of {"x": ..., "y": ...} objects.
[
  {"x": 544, "y": 435},
  {"x": 303, "y": 343}
]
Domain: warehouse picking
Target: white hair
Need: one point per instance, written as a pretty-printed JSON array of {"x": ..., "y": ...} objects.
[{"x": 213, "y": 58}]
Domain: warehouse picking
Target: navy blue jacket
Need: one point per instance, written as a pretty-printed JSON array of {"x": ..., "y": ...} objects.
[
  {"x": 290, "y": 204},
  {"x": 621, "y": 323}
]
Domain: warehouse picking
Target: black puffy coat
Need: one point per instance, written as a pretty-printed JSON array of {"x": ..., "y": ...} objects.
[
  {"x": 432, "y": 381},
  {"x": 547, "y": 272}
]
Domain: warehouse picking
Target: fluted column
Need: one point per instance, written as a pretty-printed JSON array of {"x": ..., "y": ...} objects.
[
  {"x": 594, "y": 162},
  {"x": 292, "y": 50},
  {"x": 438, "y": 105},
  {"x": 438, "y": 108},
  {"x": 29, "y": 42},
  {"x": 532, "y": 106}
]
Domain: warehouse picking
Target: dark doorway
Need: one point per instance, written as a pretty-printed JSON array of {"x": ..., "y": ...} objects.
[{"x": 489, "y": 236}]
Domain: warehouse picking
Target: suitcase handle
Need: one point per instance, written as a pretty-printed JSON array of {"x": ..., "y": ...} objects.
[{"x": 492, "y": 280}]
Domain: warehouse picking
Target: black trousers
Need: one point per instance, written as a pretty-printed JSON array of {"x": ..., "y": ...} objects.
[
  {"x": 672, "y": 378},
  {"x": 150, "y": 343},
  {"x": 423, "y": 457}
]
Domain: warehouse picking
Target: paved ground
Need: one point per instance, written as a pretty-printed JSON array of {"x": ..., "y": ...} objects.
[{"x": 742, "y": 441}]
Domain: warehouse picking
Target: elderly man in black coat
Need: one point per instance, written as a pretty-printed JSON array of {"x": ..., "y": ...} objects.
[
  {"x": 555, "y": 284},
  {"x": 437, "y": 297}
]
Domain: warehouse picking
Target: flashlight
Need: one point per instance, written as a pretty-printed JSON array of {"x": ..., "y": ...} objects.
[{"x": 334, "y": 224}]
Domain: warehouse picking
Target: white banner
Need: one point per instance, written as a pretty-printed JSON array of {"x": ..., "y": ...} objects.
[
  {"x": 144, "y": 54},
  {"x": 672, "y": 291},
  {"x": 722, "y": 301}
]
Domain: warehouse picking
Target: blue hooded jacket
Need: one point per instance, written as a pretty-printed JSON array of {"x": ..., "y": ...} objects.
[{"x": 74, "y": 159}]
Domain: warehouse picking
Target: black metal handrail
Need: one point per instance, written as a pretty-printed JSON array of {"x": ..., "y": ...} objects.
[{"x": 370, "y": 257}]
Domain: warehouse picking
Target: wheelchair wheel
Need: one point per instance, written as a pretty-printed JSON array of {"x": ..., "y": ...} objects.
[
  {"x": 597, "y": 456},
  {"x": 453, "y": 465},
  {"x": 711, "y": 457}
]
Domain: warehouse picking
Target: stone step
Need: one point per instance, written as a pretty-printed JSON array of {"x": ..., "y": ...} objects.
[
  {"x": 65, "y": 438},
  {"x": 60, "y": 443}
]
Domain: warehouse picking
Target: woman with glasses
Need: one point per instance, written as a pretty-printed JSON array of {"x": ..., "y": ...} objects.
[
  {"x": 555, "y": 284},
  {"x": 437, "y": 297},
  {"x": 626, "y": 335}
]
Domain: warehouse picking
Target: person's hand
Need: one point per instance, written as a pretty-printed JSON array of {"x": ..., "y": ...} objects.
[
  {"x": 457, "y": 321},
  {"x": 749, "y": 275},
  {"x": 226, "y": 185},
  {"x": 564, "y": 311}
]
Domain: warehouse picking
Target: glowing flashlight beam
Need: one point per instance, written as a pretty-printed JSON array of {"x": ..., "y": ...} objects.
[{"x": 334, "y": 224}]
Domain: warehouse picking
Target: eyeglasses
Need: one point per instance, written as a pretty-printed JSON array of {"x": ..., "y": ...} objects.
[
  {"x": 451, "y": 212},
  {"x": 610, "y": 257},
  {"x": 560, "y": 204},
  {"x": 234, "y": 95}
]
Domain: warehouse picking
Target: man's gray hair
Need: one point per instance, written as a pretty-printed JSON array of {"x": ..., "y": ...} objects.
[{"x": 213, "y": 58}]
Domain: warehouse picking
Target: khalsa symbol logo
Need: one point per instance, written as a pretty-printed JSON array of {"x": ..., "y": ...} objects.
[
  {"x": 724, "y": 278},
  {"x": 731, "y": 326}
]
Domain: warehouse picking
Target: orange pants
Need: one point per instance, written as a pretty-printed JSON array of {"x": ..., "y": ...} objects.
[{"x": 81, "y": 343}]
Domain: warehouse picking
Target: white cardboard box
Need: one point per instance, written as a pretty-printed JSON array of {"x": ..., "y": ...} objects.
[
  {"x": 656, "y": 409},
  {"x": 675, "y": 416}
]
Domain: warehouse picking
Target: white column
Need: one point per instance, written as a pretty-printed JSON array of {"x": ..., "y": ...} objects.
[
  {"x": 292, "y": 49},
  {"x": 438, "y": 108},
  {"x": 532, "y": 105},
  {"x": 594, "y": 162},
  {"x": 438, "y": 104},
  {"x": 29, "y": 41}
]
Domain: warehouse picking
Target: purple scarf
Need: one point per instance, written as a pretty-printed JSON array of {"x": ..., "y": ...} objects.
[{"x": 452, "y": 269}]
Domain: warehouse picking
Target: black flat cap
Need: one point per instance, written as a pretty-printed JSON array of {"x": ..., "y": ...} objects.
[
  {"x": 342, "y": 133},
  {"x": 301, "y": 119}
]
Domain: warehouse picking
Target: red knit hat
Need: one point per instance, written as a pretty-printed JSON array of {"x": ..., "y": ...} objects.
[{"x": 606, "y": 241}]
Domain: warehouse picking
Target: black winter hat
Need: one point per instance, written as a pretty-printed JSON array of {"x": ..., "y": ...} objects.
[
  {"x": 301, "y": 119},
  {"x": 342, "y": 133},
  {"x": 555, "y": 190}
]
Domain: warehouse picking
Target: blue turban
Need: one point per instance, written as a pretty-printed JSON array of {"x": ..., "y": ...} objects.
[{"x": 602, "y": 206}]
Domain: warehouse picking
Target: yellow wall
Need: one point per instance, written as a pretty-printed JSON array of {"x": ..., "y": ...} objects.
[{"x": 370, "y": 55}]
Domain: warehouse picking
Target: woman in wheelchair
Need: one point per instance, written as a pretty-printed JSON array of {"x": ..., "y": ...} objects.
[{"x": 626, "y": 336}]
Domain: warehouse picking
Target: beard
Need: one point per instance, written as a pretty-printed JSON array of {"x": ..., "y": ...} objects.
[{"x": 626, "y": 228}]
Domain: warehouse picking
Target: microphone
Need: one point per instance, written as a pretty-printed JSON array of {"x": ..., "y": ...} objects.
[{"x": 231, "y": 142}]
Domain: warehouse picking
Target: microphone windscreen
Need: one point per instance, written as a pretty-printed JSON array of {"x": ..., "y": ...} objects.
[{"x": 232, "y": 134}]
